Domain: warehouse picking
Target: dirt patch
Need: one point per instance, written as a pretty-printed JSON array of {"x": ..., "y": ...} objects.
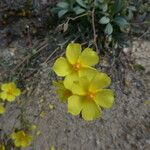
[{"x": 125, "y": 126}]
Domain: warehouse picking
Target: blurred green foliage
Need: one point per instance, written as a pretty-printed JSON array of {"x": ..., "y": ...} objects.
[
  {"x": 115, "y": 20},
  {"x": 112, "y": 20}
]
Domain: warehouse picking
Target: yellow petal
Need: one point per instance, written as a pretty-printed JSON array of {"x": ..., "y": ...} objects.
[
  {"x": 90, "y": 110},
  {"x": 2, "y": 147},
  {"x": 81, "y": 86},
  {"x": 72, "y": 52},
  {"x": 24, "y": 143},
  {"x": 4, "y": 86},
  {"x": 105, "y": 98},
  {"x": 70, "y": 79},
  {"x": 8, "y": 86},
  {"x": 3, "y": 95},
  {"x": 52, "y": 147},
  {"x": 89, "y": 72},
  {"x": 89, "y": 57},
  {"x": 17, "y": 142},
  {"x": 58, "y": 84},
  {"x": 75, "y": 104},
  {"x": 64, "y": 94},
  {"x": 10, "y": 98},
  {"x": 101, "y": 80},
  {"x": 62, "y": 67},
  {"x": 27, "y": 141},
  {"x": 13, "y": 135},
  {"x": 2, "y": 109},
  {"x": 17, "y": 92}
]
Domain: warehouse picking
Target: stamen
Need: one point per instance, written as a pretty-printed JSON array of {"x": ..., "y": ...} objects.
[
  {"x": 77, "y": 66},
  {"x": 90, "y": 95}
]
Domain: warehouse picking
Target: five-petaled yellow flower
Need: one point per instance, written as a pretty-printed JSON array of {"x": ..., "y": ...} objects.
[
  {"x": 21, "y": 139},
  {"x": 2, "y": 109},
  {"x": 2, "y": 147},
  {"x": 90, "y": 95},
  {"x": 9, "y": 91},
  {"x": 77, "y": 63},
  {"x": 62, "y": 92}
]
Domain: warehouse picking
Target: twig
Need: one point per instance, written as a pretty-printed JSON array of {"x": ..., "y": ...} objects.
[
  {"x": 29, "y": 56},
  {"x": 80, "y": 16},
  {"x": 51, "y": 55},
  {"x": 73, "y": 19},
  {"x": 29, "y": 37},
  {"x": 94, "y": 31},
  {"x": 147, "y": 32}
]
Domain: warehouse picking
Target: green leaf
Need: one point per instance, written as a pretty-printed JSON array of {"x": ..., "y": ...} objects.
[
  {"x": 103, "y": 7},
  {"x": 62, "y": 12},
  {"x": 117, "y": 6},
  {"x": 131, "y": 8},
  {"x": 101, "y": 1},
  {"x": 104, "y": 20},
  {"x": 78, "y": 10},
  {"x": 121, "y": 22},
  {"x": 130, "y": 15},
  {"x": 81, "y": 3},
  {"x": 63, "y": 5},
  {"x": 138, "y": 67},
  {"x": 108, "y": 29}
]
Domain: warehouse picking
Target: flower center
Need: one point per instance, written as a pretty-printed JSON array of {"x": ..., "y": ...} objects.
[
  {"x": 77, "y": 66},
  {"x": 68, "y": 93},
  {"x": 23, "y": 136},
  {"x": 90, "y": 95},
  {"x": 10, "y": 92}
]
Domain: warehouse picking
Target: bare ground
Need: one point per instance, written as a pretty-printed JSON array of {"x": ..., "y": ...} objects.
[{"x": 124, "y": 127}]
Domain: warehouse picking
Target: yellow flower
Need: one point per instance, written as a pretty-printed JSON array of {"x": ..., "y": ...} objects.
[
  {"x": 76, "y": 63},
  {"x": 21, "y": 139},
  {"x": 2, "y": 109},
  {"x": 2, "y": 147},
  {"x": 62, "y": 92},
  {"x": 52, "y": 147},
  {"x": 9, "y": 91},
  {"x": 89, "y": 96}
]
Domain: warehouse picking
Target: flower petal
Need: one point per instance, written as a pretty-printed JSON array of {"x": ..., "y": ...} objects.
[
  {"x": 63, "y": 94},
  {"x": 89, "y": 72},
  {"x": 13, "y": 135},
  {"x": 89, "y": 57},
  {"x": 4, "y": 86},
  {"x": 75, "y": 104},
  {"x": 3, "y": 95},
  {"x": 105, "y": 98},
  {"x": 10, "y": 98},
  {"x": 7, "y": 86},
  {"x": 80, "y": 87},
  {"x": 2, "y": 109},
  {"x": 69, "y": 79},
  {"x": 25, "y": 143},
  {"x": 62, "y": 67},
  {"x": 90, "y": 110},
  {"x": 72, "y": 52},
  {"x": 101, "y": 80},
  {"x": 17, "y": 92},
  {"x": 17, "y": 142}
]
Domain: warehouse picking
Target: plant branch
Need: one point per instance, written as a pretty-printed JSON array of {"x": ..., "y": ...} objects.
[{"x": 94, "y": 31}]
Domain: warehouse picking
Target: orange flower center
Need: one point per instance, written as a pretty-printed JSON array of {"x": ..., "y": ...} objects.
[
  {"x": 77, "y": 66},
  {"x": 90, "y": 95},
  {"x": 68, "y": 93},
  {"x": 23, "y": 136},
  {"x": 10, "y": 92}
]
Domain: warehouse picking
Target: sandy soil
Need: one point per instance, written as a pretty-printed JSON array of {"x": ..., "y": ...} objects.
[{"x": 124, "y": 127}]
